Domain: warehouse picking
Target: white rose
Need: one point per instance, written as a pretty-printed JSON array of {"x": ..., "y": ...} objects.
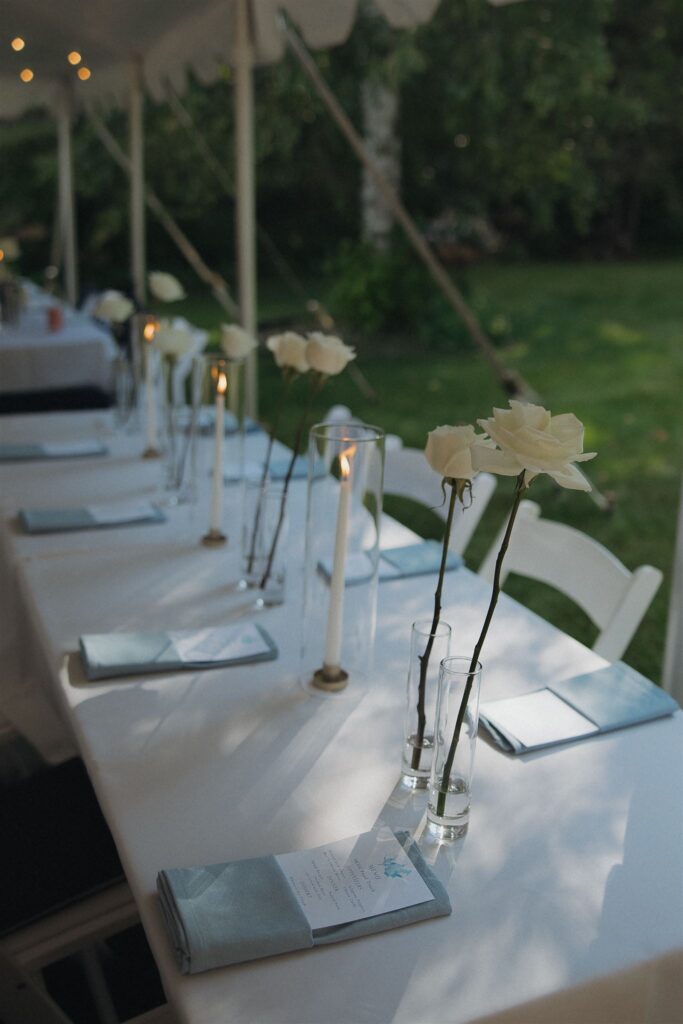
[
  {"x": 174, "y": 342},
  {"x": 113, "y": 306},
  {"x": 236, "y": 342},
  {"x": 10, "y": 249},
  {"x": 165, "y": 287},
  {"x": 449, "y": 451},
  {"x": 289, "y": 351},
  {"x": 529, "y": 438},
  {"x": 327, "y": 354}
]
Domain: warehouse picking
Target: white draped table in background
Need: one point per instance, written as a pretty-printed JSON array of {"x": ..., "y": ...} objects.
[
  {"x": 33, "y": 358},
  {"x": 572, "y": 867}
]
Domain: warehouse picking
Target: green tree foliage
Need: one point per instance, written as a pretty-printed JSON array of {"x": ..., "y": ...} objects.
[{"x": 558, "y": 122}]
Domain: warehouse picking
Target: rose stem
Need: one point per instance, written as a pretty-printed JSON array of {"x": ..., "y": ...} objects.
[
  {"x": 424, "y": 658},
  {"x": 314, "y": 386},
  {"x": 495, "y": 591},
  {"x": 288, "y": 377}
]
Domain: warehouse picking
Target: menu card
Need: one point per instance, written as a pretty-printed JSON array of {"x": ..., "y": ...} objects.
[{"x": 352, "y": 879}]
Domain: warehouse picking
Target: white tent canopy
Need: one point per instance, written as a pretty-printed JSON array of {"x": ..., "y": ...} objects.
[
  {"x": 172, "y": 36},
  {"x": 127, "y": 45}
]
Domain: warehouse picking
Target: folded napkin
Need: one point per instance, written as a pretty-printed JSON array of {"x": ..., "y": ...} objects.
[
  {"x": 596, "y": 702},
  {"x": 108, "y": 655},
  {"x": 51, "y": 450},
  {"x": 90, "y": 517},
  {"x": 243, "y": 910},
  {"x": 394, "y": 563}
]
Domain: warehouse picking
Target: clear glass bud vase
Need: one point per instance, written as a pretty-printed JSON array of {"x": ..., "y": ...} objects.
[
  {"x": 428, "y": 648},
  {"x": 457, "y": 720}
]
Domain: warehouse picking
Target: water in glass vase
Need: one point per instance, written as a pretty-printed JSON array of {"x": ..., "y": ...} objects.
[
  {"x": 455, "y": 805},
  {"x": 417, "y": 760}
]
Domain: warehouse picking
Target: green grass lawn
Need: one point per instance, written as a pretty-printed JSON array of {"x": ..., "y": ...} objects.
[{"x": 601, "y": 340}]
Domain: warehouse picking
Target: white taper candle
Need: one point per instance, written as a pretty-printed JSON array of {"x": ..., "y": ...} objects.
[
  {"x": 335, "y": 616},
  {"x": 217, "y": 493}
]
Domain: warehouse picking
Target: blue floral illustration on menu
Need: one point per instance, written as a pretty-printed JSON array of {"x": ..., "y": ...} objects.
[{"x": 392, "y": 868}]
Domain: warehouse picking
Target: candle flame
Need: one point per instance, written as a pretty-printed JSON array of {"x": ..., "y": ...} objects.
[
  {"x": 222, "y": 385},
  {"x": 149, "y": 330},
  {"x": 345, "y": 461}
]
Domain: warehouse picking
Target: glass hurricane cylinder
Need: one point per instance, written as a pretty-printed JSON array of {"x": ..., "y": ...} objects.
[
  {"x": 344, "y": 510},
  {"x": 142, "y": 327},
  {"x": 182, "y": 379},
  {"x": 457, "y": 720},
  {"x": 221, "y": 419},
  {"x": 428, "y": 648}
]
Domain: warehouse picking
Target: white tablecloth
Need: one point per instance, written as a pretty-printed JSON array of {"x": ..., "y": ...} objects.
[
  {"x": 32, "y": 358},
  {"x": 571, "y": 870}
]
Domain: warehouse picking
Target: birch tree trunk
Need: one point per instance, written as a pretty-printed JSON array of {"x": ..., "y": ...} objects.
[{"x": 380, "y": 117}]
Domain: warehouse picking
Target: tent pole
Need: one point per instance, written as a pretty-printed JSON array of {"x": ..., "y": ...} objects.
[
  {"x": 212, "y": 279},
  {"x": 245, "y": 206},
  {"x": 67, "y": 209},
  {"x": 137, "y": 181},
  {"x": 511, "y": 381}
]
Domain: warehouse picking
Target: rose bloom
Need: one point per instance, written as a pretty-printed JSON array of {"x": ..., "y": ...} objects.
[
  {"x": 236, "y": 343},
  {"x": 289, "y": 351},
  {"x": 174, "y": 342},
  {"x": 529, "y": 438},
  {"x": 113, "y": 306},
  {"x": 165, "y": 287},
  {"x": 327, "y": 354},
  {"x": 449, "y": 451}
]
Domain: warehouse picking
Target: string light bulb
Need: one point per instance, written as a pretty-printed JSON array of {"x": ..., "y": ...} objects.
[
  {"x": 18, "y": 44},
  {"x": 84, "y": 74},
  {"x": 26, "y": 75},
  {"x": 74, "y": 57}
]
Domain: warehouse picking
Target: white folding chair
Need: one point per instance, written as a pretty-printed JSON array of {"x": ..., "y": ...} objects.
[
  {"x": 45, "y": 923},
  {"x": 672, "y": 678},
  {"x": 407, "y": 474},
  {"x": 613, "y": 597}
]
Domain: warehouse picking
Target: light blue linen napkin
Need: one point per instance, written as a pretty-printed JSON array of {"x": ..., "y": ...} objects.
[
  {"x": 229, "y": 913},
  {"x": 110, "y": 655},
  {"x": 51, "y": 450},
  {"x": 62, "y": 520}
]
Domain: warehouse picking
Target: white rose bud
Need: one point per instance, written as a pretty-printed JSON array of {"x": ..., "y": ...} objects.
[
  {"x": 114, "y": 307},
  {"x": 448, "y": 451},
  {"x": 529, "y": 438},
  {"x": 165, "y": 287},
  {"x": 174, "y": 342},
  {"x": 289, "y": 351},
  {"x": 327, "y": 354},
  {"x": 236, "y": 343}
]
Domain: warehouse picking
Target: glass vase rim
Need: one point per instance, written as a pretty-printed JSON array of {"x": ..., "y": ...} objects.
[
  {"x": 449, "y": 665},
  {"x": 442, "y": 628},
  {"x": 342, "y": 432},
  {"x": 220, "y": 357}
]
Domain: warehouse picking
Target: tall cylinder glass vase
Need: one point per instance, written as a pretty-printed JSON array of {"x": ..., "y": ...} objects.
[
  {"x": 344, "y": 510},
  {"x": 429, "y": 645},
  {"x": 182, "y": 378},
  {"x": 457, "y": 720},
  {"x": 221, "y": 418}
]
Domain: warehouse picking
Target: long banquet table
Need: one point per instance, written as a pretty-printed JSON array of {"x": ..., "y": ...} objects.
[
  {"x": 32, "y": 358},
  {"x": 572, "y": 868}
]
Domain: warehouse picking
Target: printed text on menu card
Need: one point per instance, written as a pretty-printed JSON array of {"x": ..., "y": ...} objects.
[{"x": 355, "y": 878}]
